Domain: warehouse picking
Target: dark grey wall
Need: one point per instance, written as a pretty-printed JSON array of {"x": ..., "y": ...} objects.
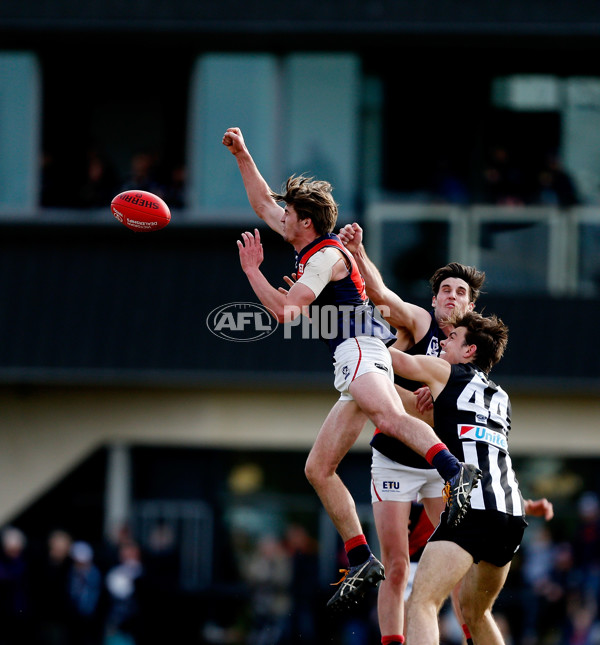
[
  {"x": 101, "y": 304},
  {"x": 336, "y": 16}
]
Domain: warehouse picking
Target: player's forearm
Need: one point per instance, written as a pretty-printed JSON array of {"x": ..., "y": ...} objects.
[
  {"x": 376, "y": 289},
  {"x": 270, "y": 297},
  {"x": 257, "y": 189},
  {"x": 391, "y": 306}
]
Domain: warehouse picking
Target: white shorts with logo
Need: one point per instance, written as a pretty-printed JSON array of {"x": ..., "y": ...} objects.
[
  {"x": 393, "y": 482},
  {"x": 357, "y": 356}
]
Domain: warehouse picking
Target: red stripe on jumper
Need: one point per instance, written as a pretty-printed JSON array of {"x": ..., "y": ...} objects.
[{"x": 354, "y": 272}]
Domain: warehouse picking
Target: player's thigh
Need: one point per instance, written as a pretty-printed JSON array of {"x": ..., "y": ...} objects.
[
  {"x": 441, "y": 566},
  {"x": 376, "y": 396},
  {"x": 338, "y": 434},
  {"x": 391, "y": 523},
  {"x": 481, "y": 586}
]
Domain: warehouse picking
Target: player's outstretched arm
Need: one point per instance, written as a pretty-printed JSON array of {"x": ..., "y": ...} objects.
[
  {"x": 397, "y": 312},
  {"x": 285, "y": 305},
  {"x": 257, "y": 189}
]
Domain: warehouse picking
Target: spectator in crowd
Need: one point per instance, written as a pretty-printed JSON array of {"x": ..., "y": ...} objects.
[
  {"x": 554, "y": 184},
  {"x": 303, "y": 550},
  {"x": 269, "y": 575},
  {"x": 158, "y": 588},
  {"x": 548, "y": 577},
  {"x": 51, "y": 589},
  {"x": 503, "y": 181},
  {"x": 447, "y": 186},
  {"x": 100, "y": 183},
  {"x": 581, "y": 625},
  {"x": 144, "y": 174},
  {"x": 14, "y": 592},
  {"x": 85, "y": 587},
  {"x": 123, "y": 618},
  {"x": 174, "y": 193},
  {"x": 52, "y": 181},
  {"x": 586, "y": 544}
]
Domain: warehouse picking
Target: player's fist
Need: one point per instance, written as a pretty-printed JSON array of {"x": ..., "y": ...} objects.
[
  {"x": 539, "y": 508},
  {"x": 351, "y": 236},
  {"x": 233, "y": 140}
]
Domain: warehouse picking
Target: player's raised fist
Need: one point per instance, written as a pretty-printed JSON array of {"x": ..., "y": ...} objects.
[{"x": 233, "y": 140}]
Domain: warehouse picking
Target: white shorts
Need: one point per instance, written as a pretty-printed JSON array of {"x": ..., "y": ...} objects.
[
  {"x": 393, "y": 482},
  {"x": 357, "y": 356}
]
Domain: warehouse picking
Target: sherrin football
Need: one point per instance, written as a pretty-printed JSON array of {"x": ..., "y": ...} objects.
[{"x": 140, "y": 210}]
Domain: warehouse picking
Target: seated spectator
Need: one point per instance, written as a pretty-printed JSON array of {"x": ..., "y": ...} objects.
[
  {"x": 175, "y": 188},
  {"x": 144, "y": 174},
  {"x": 503, "y": 181},
  {"x": 555, "y": 186},
  {"x": 101, "y": 182},
  {"x": 448, "y": 187}
]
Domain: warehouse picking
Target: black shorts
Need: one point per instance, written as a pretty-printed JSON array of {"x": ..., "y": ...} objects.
[{"x": 490, "y": 536}]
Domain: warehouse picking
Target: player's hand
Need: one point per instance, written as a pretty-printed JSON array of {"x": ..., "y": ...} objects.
[
  {"x": 251, "y": 251},
  {"x": 351, "y": 236},
  {"x": 424, "y": 401},
  {"x": 539, "y": 508},
  {"x": 289, "y": 281},
  {"x": 233, "y": 140}
]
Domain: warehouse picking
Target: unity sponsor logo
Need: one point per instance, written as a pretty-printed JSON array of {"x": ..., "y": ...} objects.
[
  {"x": 247, "y": 321},
  {"x": 486, "y": 435}
]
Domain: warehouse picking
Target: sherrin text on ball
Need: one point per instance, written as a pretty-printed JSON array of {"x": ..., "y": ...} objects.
[{"x": 140, "y": 210}]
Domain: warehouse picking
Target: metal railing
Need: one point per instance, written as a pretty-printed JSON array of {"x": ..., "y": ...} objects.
[
  {"x": 534, "y": 249},
  {"x": 189, "y": 527}
]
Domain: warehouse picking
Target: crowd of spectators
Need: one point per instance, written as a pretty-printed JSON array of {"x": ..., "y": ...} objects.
[
  {"x": 503, "y": 179},
  {"x": 506, "y": 179},
  {"x": 93, "y": 181},
  {"x": 73, "y": 593},
  {"x": 551, "y": 597},
  {"x": 68, "y": 592}
]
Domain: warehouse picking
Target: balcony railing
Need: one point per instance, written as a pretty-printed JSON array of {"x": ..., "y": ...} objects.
[{"x": 533, "y": 249}]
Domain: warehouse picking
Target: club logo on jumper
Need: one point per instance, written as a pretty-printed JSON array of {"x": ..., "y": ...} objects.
[
  {"x": 477, "y": 433},
  {"x": 241, "y": 322},
  {"x": 434, "y": 347}
]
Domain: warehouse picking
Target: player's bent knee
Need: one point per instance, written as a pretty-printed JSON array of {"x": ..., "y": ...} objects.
[
  {"x": 314, "y": 472},
  {"x": 309, "y": 471},
  {"x": 473, "y": 615},
  {"x": 397, "y": 572}
]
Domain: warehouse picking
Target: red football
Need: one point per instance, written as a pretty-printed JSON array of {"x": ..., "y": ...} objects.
[{"x": 140, "y": 210}]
